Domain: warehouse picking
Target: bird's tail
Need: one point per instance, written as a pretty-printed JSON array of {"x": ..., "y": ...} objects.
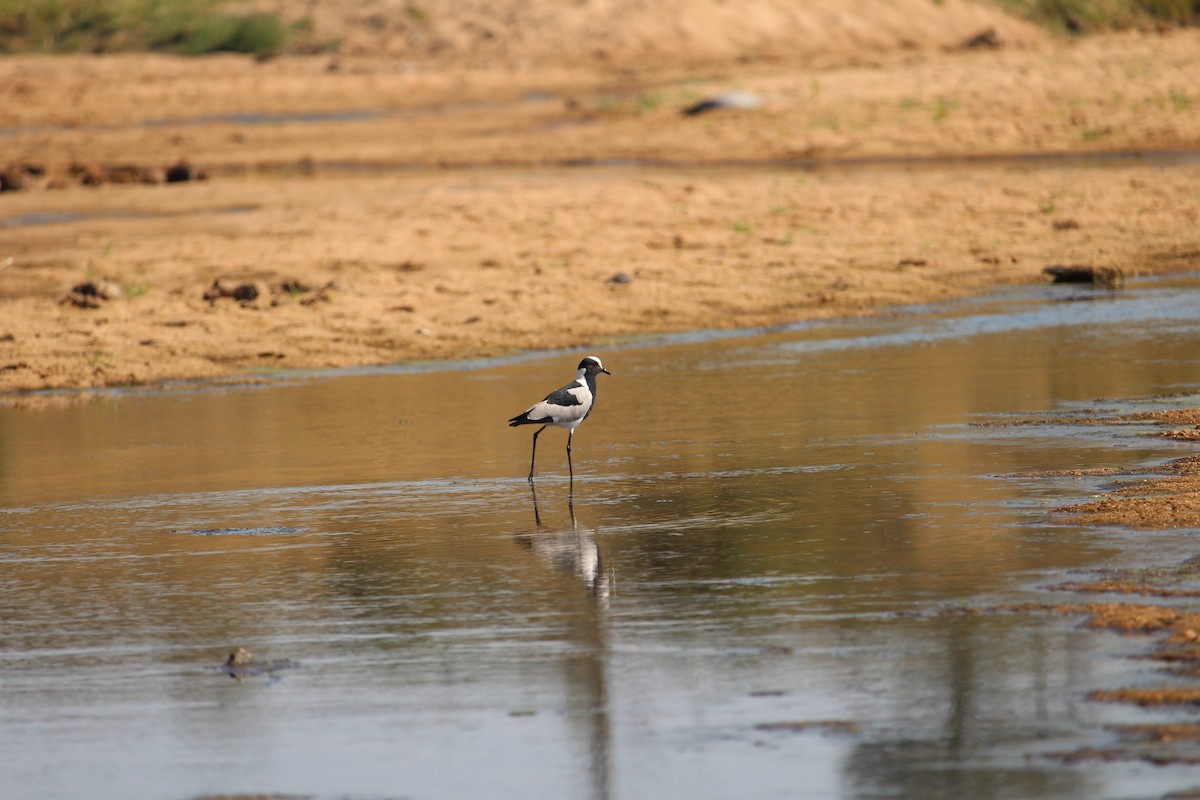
[{"x": 520, "y": 419}]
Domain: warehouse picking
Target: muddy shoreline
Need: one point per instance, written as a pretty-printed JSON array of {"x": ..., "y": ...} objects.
[{"x": 1154, "y": 602}]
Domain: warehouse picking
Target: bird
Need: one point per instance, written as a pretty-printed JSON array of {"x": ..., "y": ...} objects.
[{"x": 565, "y": 408}]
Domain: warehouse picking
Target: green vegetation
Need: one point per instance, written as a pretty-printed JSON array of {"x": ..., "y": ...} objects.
[
  {"x": 942, "y": 108},
  {"x": 1050, "y": 204},
  {"x": 827, "y": 121},
  {"x": 193, "y": 27},
  {"x": 134, "y": 289},
  {"x": 1079, "y": 17},
  {"x": 186, "y": 27},
  {"x": 416, "y": 13},
  {"x": 100, "y": 359},
  {"x": 649, "y": 101}
]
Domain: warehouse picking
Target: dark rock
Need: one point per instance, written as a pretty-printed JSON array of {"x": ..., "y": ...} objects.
[
  {"x": 242, "y": 665},
  {"x": 16, "y": 177},
  {"x": 239, "y": 658},
  {"x": 987, "y": 39},
  {"x": 294, "y": 287},
  {"x": 87, "y": 174},
  {"x": 122, "y": 173},
  {"x": 92, "y": 294},
  {"x": 1104, "y": 277},
  {"x": 12, "y": 180},
  {"x": 244, "y": 292},
  {"x": 183, "y": 171},
  {"x": 241, "y": 292}
]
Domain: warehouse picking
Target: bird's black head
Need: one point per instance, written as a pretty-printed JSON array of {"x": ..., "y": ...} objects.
[{"x": 591, "y": 366}]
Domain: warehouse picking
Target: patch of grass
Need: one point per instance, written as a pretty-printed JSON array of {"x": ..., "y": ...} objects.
[
  {"x": 640, "y": 102},
  {"x": 1173, "y": 12},
  {"x": 416, "y": 13},
  {"x": 607, "y": 105},
  {"x": 186, "y": 27},
  {"x": 942, "y": 109},
  {"x": 1079, "y": 17},
  {"x": 135, "y": 289},
  {"x": 743, "y": 227},
  {"x": 828, "y": 121},
  {"x": 1050, "y": 204},
  {"x": 1179, "y": 100},
  {"x": 100, "y": 359},
  {"x": 648, "y": 101},
  {"x": 190, "y": 34},
  {"x": 1092, "y": 134}
]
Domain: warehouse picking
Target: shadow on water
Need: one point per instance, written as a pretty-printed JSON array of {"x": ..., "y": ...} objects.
[{"x": 741, "y": 568}]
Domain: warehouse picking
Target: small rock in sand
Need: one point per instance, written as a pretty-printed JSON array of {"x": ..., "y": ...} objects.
[
  {"x": 1103, "y": 277},
  {"x": 93, "y": 294},
  {"x": 736, "y": 99}
]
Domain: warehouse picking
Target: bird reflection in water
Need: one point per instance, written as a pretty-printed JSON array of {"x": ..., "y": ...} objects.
[{"x": 571, "y": 550}]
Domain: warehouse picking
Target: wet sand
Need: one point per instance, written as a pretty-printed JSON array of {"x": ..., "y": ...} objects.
[
  {"x": 1152, "y": 602},
  {"x": 1173, "y": 645},
  {"x": 1157, "y": 497}
]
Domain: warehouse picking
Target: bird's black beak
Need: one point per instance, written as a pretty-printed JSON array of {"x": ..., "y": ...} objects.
[{"x": 606, "y": 372}]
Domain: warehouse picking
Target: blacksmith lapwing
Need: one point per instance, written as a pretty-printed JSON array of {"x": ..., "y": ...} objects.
[{"x": 565, "y": 408}]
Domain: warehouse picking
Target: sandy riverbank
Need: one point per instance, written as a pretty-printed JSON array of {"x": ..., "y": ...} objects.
[{"x": 383, "y": 210}]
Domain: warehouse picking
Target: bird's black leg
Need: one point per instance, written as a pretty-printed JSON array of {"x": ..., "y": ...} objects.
[
  {"x": 537, "y": 518},
  {"x": 570, "y": 469},
  {"x": 533, "y": 457}
]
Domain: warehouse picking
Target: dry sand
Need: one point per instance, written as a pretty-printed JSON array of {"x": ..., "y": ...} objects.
[{"x": 472, "y": 189}]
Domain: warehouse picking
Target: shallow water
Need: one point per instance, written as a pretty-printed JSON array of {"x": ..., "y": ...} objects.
[{"x": 758, "y": 526}]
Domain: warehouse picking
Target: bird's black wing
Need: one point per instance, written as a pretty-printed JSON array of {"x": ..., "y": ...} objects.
[
  {"x": 544, "y": 411},
  {"x": 564, "y": 396}
]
